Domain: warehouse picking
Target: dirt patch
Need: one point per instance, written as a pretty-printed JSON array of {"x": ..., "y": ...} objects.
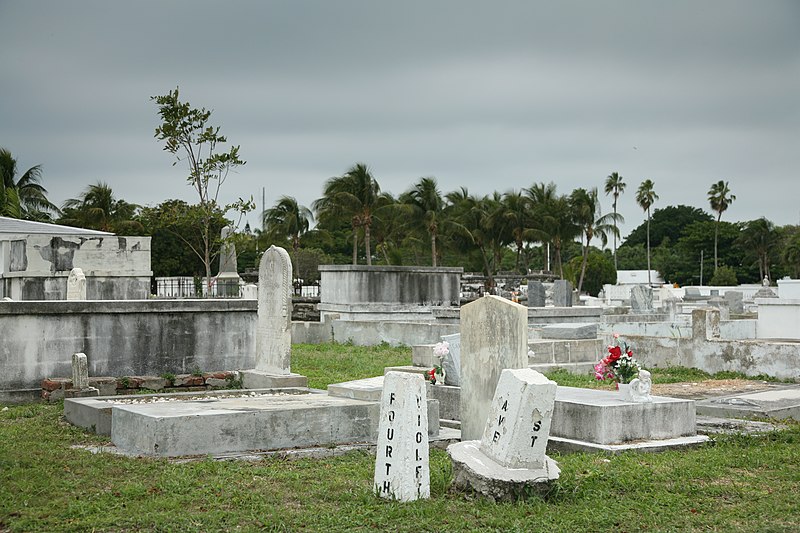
[{"x": 710, "y": 388}]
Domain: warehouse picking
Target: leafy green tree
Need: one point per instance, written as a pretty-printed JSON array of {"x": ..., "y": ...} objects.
[
  {"x": 665, "y": 223},
  {"x": 355, "y": 195},
  {"x": 791, "y": 250},
  {"x": 176, "y": 247},
  {"x": 724, "y": 276},
  {"x": 720, "y": 197},
  {"x": 426, "y": 206},
  {"x": 683, "y": 264},
  {"x": 646, "y": 197},
  {"x": 587, "y": 216},
  {"x": 188, "y": 136},
  {"x": 98, "y": 208},
  {"x": 599, "y": 271},
  {"x": 288, "y": 220},
  {"x": 615, "y": 186},
  {"x": 759, "y": 239},
  {"x": 24, "y": 197}
]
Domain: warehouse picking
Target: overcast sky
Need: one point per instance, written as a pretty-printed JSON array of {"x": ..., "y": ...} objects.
[{"x": 486, "y": 95}]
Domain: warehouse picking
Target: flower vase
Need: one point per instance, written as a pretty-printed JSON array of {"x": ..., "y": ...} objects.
[
  {"x": 624, "y": 392},
  {"x": 439, "y": 378}
]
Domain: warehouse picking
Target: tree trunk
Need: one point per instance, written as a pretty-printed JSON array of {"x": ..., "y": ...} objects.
[
  {"x": 649, "y": 281},
  {"x": 295, "y": 248},
  {"x": 584, "y": 262},
  {"x": 207, "y": 261},
  {"x": 366, "y": 245},
  {"x": 433, "y": 249},
  {"x": 355, "y": 245},
  {"x": 716, "y": 236},
  {"x": 615, "y": 235}
]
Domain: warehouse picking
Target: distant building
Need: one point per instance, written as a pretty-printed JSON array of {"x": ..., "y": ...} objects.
[
  {"x": 36, "y": 259},
  {"x": 637, "y": 277}
]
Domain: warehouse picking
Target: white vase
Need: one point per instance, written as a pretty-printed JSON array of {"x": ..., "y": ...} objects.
[
  {"x": 625, "y": 392},
  {"x": 439, "y": 378}
]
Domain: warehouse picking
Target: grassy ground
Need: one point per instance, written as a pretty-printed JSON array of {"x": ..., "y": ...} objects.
[{"x": 735, "y": 484}]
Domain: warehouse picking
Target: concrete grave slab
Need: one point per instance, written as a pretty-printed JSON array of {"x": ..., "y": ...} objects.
[
  {"x": 601, "y": 417},
  {"x": 213, "y": 425},
  {"x": 569, "y": 331},
  {"x": 778, "y": 403}
]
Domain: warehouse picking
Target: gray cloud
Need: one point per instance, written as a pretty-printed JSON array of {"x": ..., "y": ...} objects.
[{"x": 491, "y": 96}]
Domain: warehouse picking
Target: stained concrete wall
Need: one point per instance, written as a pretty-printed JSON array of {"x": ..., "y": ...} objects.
[
  {"x": 139, "y": 337},
  {"x": 411, "y": 294},
  {"x": 36, "y": 267},
  {"x": 706, "y": 350}
]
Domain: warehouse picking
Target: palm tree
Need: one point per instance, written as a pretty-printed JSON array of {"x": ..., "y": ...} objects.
[
  {"x": 720, "y": 197},
  {"x": 24, "y": 197},
  {"x": 427, "y": 209},
  {"x": 288, "y": 220},
  {"x": 97, "y": 208},
  {"x": 646, "y": 197},
  {"x": 586, "y": 212},
  {"x": 615, "y": 186},
  {"x": 356, "y": 195},
  {"x": 555, "y": 216},
  {"x": 760, "y": 238},
  {"x": 517, "y": 212}
]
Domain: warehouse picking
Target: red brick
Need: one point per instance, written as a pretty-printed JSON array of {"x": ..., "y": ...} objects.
[{"x": 51, "y": 384}]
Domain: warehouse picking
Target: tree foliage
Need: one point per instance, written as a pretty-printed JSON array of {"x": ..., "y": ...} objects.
[
  {"x": 188, "y": 136},
  {"x": 23, "y": 197},
  {"x": 98, "y": 208}
]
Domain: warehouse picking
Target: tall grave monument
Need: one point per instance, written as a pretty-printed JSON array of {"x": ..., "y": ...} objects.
[
  {"x": 274, "y": 328},
  {"x": 228, "y": 276},
  {"x": 494, "y": 336}
]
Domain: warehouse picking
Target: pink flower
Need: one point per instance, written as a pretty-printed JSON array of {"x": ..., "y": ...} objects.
[{"x": 616, "y": 335}]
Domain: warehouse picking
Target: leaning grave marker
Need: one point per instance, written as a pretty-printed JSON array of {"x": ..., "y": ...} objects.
[{"x": 510, "y": 457}]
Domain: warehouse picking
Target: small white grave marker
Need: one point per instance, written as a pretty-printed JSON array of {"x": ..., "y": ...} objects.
[
  {"x": 76, "y": 285},
  {"x": 402, "y": 469},
  {"x": 80, "y": 371}
]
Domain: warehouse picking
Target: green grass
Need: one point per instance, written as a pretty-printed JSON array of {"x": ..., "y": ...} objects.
[{"x": 738, "y": 483}]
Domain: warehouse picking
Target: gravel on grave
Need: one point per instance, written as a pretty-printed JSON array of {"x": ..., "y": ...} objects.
[
  {"x": 196, "y": 397},
  {"x": 710, "y": 388}
]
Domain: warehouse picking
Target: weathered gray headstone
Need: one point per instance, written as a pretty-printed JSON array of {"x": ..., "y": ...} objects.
[
  {"x": 494, "y": 336},
  {"x": 562, "y": 293},
  {"x": 510, "y": 456},
  {"x": 76, "y": 285},
  {"x": 402, "y": 469},
  {"x": 735, "y": 304},
  {"x": 641, "y": 299},
  {"x": 536, "y": 294},
  {"x": 451, "y": 363},
  {"x": 80, "y": 379},
  {"x": 721, "y": 304},
  {"x": 80, "y": 371},
  {"x": 227, "y": 255},
  {"x": 274, "y": 333},
  {"x": 228, "y": 277}
]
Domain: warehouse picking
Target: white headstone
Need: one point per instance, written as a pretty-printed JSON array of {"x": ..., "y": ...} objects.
[
  {"x": 76, "y": 285},
  {"x": 402, "y": 469},
  {"x": 641, "y": 299},
  {"x": 250, "y": 291},
  {"x": 494, "y": 336},
  {"x": 274, "y": 331},
  {"x": 519, "y": 419},
  {"x": 451, "y": 363},
  {"x": 80, "y": 371}
]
